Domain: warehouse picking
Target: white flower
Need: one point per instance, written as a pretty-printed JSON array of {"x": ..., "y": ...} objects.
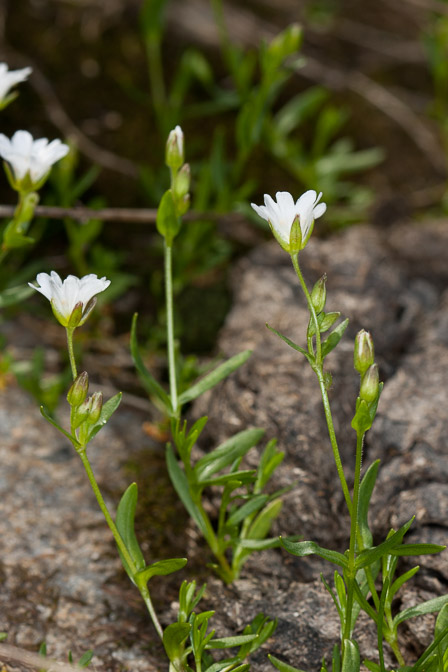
[
  {"x": 175, "y": 148},
  {"x": 8, "y": 79},
  {"x": 281, "y": 215},
  {"x": 30, "y": 158},
  {"x": 72, "y": 300}
]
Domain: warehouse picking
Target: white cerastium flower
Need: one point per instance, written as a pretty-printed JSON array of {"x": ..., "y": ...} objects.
[
  {"x": 8, "y": 79},
  {"x": 29, "y": 161},
  {"x": 283, "y": 213},
  {"x": 73, "y": 299}
]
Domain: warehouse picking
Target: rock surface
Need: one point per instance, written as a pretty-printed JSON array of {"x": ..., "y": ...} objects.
[{"x": 61, "y": 579}]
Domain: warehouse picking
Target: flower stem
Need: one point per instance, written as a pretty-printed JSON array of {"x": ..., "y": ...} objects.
[
  {"x": 119, "y": 541},
  {"x": 318, "y": 368},
  {"x": 71, "y": 352},
  {"x": 170, "y": 328},
  {"x": 351, "y": 574}
]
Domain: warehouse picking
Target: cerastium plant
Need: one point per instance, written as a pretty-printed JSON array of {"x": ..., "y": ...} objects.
[
  {"x": 245, "y": 512},
  {"x": 365, "y": 575}
]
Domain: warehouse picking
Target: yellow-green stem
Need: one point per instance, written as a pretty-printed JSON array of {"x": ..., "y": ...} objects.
[
  {"x": 71, "y": 352},
  {"x": 170, "y": 328},
  {"x": 119, "y": 541}
]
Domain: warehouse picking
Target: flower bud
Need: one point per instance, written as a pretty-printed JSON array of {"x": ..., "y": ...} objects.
[
  {"x": 319, "y": 294},
  {"x": 95, "y": 408},
  {"x": 364, "y": 355},
  {"x": 81, "y": 413},
  {"x": 182, "y": 182},
  {"x": 174, "y": 151},
  {"x": 370, "y": 384},
  {"x": 79, "y": 389}
]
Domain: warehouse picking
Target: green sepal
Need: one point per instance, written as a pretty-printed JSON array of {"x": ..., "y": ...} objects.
[
  {"x": 174, "y": 637},
  {"x": 333, "y": 339},
  {"x": 125, "y": 525},
  {"x": 160, "y": 568},
  {"x": 181, "y": 486},
  {"x": 291, "y": 344},
  {"x": 167, "y": 222},
  {"x": 107, "y": 410},
  {"x": 69, "y": 436},
  {"x": 371, "y": 555},
  {"x": 281, "y": 665},
  {"x": 229, "y": 451},
  {"x": 365, "y": 413},
  {"x": 303, "y": 548},
  {"x": 351, "y": 660},
  {"x": 149, "y": 382},
  {"x": 428, "y": 607},
  {"x": 214, "y": 377}
]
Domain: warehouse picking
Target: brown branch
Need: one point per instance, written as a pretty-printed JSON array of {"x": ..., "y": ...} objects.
[{"x": 15, "y": 656}]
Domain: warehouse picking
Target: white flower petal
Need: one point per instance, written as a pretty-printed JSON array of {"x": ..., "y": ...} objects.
[
  {"x": 26, "y": 155},
  {"x": 8, "y": 79},
  {"x": 319, "y": 210},
  {"x": 261, "y": 210}
]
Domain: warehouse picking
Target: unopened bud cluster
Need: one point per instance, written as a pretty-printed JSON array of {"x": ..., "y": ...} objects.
[
  {"x": 180, "y": 171},
  {"x": 86, "y": 410}
]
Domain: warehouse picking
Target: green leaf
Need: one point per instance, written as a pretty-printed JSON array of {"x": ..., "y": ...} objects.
[
  {"x": 229, "y": 642},
  {"x": 73, "y": 439},
  {"x": 160, "y": 568},
  {"x": 85, "y": 659},
  {"x": 254, "y": 504},
  {"x": 229, "y": 451},
  {"x": 149, "y": 382},
  {"x": 442, "y": 622},
  {"x": 333, "y": 339},
  {"x": 351, "y": 661},
  {"x": 260, "y": 544},
  {"x": 262, "y": 523},
  {"x": 303, "y": 548},
  {"x": 417, "y": 549},
  {"x": 174, "y": 637},
  {"x": 398, "y": 583},
  {"x": 180, "y": 483},
  {"x": 107, "y": 411},
  {"x": 244, "y": 477},
  {"x": 125, "y": 525},
  {"x": 13, "y": 295},
  {"x": 428, "y": 607},
  {"x": 368, "y": 557},
  {"x": 282, "y": 666},
  {"x": 167, "y": 222},
  {"x": 291, "y": 344},
  {"x": 365, "y": 493},
  {"x": 214, "y": 377}
]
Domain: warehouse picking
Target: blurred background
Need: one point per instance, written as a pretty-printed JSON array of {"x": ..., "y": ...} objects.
[{"x": 345, "y": 97}]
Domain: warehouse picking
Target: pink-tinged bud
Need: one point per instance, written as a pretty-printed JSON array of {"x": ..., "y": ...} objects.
[
  {"x": 95, "y": 408},
  {"x": 319, "y": 294},
  {"x": 370, "y": 384},
  {"x": 79, "y": 389},
  {"x": 364, "y": 355}
]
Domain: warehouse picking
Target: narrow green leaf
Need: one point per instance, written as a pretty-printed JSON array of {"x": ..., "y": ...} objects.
[
  {"x": 417, "y": 549},
  {"x": 428, "y": 607},
  {"x": 442, "y": 622},
  {"x": 161, "y": 568},
  {"x": 262, "y": 523},
  {"x": 125, "y": 525},
  {"x": 108, "y": 409},
  {"x": 303, "y": 548},
  {"x": 229, "y": 642},
  {"x": 368, "y": 557},
  {"x": 232, "y": 449},
  {"x": 180, "y": 483},
  {"x": 291, "y": 344},
  {"x": 214, "y": 377},
  {"x": 254, "y": 504},
  {"x": 365, "y": 493},
  {"x": 333, "y": 339},
  {"x": 281, "y": 665},
  {"x": 85, "y": 659},
  {"x": 149, "y": 382},
  {"x": 244, "y": 477},
  {"x": 351, "y": 661},
  {"x": 13, "y": 295},
  {"x": 71, "y": 438},
  {"x": 398, "y": 583}
]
